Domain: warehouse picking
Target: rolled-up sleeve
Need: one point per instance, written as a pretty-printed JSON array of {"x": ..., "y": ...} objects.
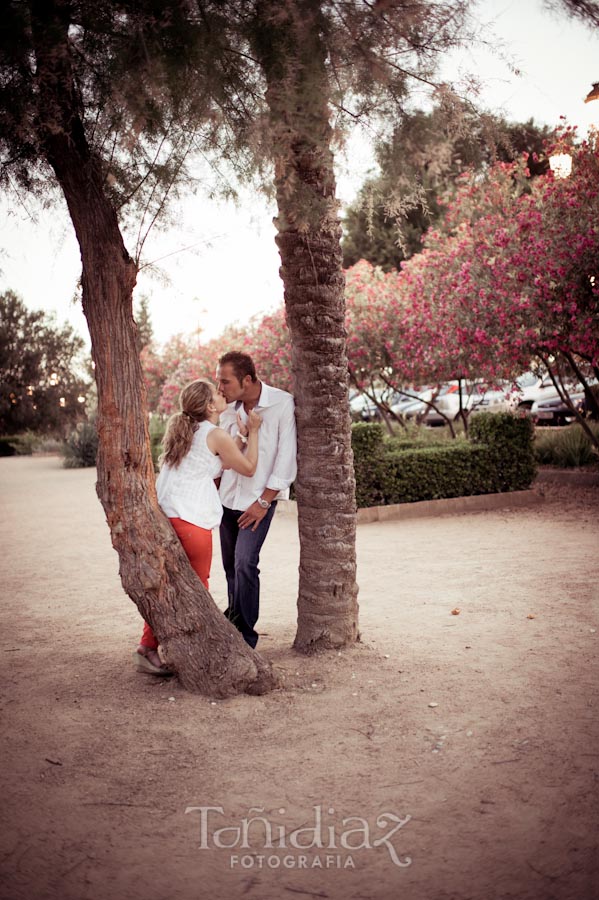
[{"x": 284, "y": 467}]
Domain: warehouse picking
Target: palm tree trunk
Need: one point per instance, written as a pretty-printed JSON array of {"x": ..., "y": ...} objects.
[
  {"x": 207, "y": 652},
  {"x": 288, "y": 42}
]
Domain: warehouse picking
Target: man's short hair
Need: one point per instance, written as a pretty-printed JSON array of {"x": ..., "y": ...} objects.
[{"x": 241, "y": 363}]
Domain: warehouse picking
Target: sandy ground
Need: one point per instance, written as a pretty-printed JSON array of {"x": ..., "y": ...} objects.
[{"x": 446, "y": 757}]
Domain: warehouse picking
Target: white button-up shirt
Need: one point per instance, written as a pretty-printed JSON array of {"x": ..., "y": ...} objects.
[{"x": 277, "y": 449}]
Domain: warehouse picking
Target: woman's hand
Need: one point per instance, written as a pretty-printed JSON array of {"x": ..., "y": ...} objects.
[
  {"x": 242, "y": 428},
  {"x": 254, "y": 422}
]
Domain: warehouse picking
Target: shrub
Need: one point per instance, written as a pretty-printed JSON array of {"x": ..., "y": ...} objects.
[
  {"x": 366, "y": 438},
  {"x": 157, "y": 429},
  {"x": 414, "y": 436},
  {"x": 367, "y": 445},
  {"x": 19, "y": 444},
  {"x": 81, "y": 447},
  {"x": 594, "y": 389},
  {"x": 6, "y": 448},
  {"x": 566, "y": 448},
  {"x": 498, "y": 458},
  {"x": 510, "y": 439},
  {"x": 50, "y": 445},
  {"x": 428, "y": 437},
  {"x": 433, "y": 473}
]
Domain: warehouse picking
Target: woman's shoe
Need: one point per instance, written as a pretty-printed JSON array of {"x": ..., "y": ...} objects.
[{"x": 144, "y": 665}]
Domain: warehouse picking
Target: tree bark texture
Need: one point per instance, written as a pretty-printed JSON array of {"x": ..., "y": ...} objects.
[
  {"x": 207, "y": 653},
  {"x": 292, "y": 54}
]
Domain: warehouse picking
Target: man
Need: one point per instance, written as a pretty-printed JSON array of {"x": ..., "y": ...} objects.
[{"x": 249, "y": 503}]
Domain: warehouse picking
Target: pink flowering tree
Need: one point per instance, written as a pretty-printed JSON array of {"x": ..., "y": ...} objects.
[
  {"x": 510, "y": 276},
  {"x": 198, "y": 361},
  {"x": 520, "y": 272},
  {"x": 159, "y": 365},
  {"x": 373, "y": 321},
  {"x": 268, "y": 342},
  {"x": 401, "y": 334}
]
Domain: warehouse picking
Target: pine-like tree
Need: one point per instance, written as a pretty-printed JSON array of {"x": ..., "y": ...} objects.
[
  {"x": 111, "y": 98},
  {"x": 90, "y": 100},
  {"x": 418, "y": 165},
  {"x": 41, "y": 365}
]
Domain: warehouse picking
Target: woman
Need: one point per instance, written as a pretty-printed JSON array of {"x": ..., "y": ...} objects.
[{"x": 195, "y": 452}]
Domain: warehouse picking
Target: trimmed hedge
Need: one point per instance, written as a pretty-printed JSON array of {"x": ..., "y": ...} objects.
[
  {"x": 511, "y": 441},
  {"x": 499, "y": 457}
]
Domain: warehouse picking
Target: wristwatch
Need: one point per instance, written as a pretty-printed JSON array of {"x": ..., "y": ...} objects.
[
  {"x": 242, "y": 437},
  {"x": 263, "y": 503}
]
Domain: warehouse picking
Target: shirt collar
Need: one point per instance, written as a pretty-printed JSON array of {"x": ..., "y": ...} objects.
[{"x": 265, "y": 399}]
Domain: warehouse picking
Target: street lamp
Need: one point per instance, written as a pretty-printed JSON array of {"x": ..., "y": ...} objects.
[
  {"x": 561, "y": 165},
  {"x": 593, "y": 94}
]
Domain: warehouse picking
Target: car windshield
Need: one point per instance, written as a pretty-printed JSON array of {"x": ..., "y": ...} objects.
[{"x": 527, "y": 380}]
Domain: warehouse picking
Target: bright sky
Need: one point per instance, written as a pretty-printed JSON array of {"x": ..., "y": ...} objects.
[{"x": 231, "y": 273}]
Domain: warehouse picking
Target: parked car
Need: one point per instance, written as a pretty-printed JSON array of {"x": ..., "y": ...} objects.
[
  {"x": 402, "y": 401},
  {"x": 473, "y": 399},
  {"x": 418, "y": 406},
  {"x": 552, "y": 410},
  {"x": 495, "y": 400},
  {"x": 361, "y": 407},
  {"x": 532, "y": 388},
  {"x": 447, "y": 403}
]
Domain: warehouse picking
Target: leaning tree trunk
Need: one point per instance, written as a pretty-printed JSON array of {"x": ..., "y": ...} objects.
[
  {"x": 291, "y": 52},
  {"x": 208, "y": 654}
]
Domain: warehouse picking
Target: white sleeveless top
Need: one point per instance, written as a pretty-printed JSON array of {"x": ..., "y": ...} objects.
[{"x": 187, "y": 491}]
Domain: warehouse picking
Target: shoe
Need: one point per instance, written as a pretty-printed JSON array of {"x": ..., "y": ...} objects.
[{"x": 144, "y": 665}]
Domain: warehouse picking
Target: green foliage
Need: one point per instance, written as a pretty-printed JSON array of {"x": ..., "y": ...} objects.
[
  {"x": 19, "y": 444},
  {"x": 567, "y": 448},
  {"x": 157, "y": 429},
  {"x": 434, "y": 473},
  {"x": 585, "y": 10},
  {"x": 367, "y": 438},
  {"x": 6, "y": 448},
  {"x": 125, "y": 61},
  {"x": 50, "y": 446},
  {"x": 592, "y": 399},
  {"x": 39, "y": 370},
  {"x": 81, "y": 447},
  {"x": 368, "y": 449},
  {"x": 418, "y": 168},
  {"x": 414, "y": 437},
  {"x": 510, "y": 439},
  {"x": 499, "y": 458},
  {"x": 154, "y": 83},
  {"x": 143, "y": 322}
]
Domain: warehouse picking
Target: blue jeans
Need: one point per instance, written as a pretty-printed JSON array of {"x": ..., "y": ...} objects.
[{"x": 240, "y": 549}]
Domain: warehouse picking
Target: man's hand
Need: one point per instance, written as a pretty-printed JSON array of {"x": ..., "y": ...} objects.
[{"x": 252, "y": 516}]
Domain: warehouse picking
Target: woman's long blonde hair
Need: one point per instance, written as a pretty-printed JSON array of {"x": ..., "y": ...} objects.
[{"x": 193, "y": 402}]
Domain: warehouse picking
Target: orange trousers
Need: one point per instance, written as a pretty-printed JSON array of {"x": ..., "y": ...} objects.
[{"x": 197, "y": 543}]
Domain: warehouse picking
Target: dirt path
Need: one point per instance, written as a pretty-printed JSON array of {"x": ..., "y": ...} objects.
[{"x": 499, "y": 779}]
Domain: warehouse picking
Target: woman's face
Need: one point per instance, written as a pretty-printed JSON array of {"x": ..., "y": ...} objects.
[{"x": 219, "y": 401}]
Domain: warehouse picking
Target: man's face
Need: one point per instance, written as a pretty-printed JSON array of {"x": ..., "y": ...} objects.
[
  {"x": 219, "y": 402},
  {"x": 228, "y": 384}
]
